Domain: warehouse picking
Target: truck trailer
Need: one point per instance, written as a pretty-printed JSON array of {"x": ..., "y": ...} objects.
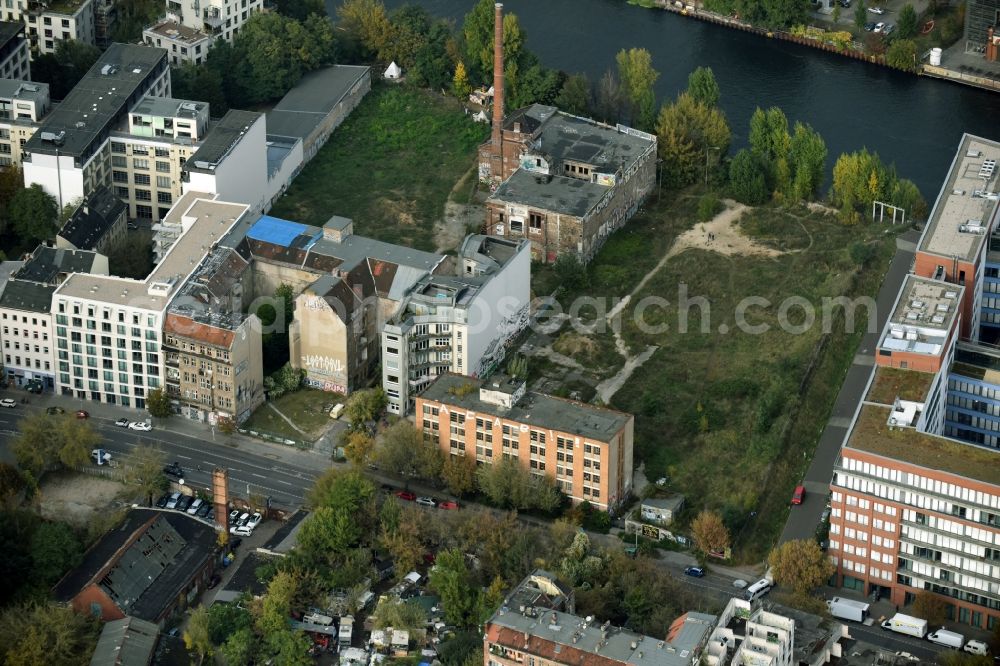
[
  {"x": 906, "y": 624},
  {"x": 847, "y": 609}
]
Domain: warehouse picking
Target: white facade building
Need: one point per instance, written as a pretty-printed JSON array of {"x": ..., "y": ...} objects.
[
  {"x": 457, "y": 323},
  {"x": 183, "y": 43},
  {"x": 52, "y": 21},
  {"x": 754, "y": 637},
  {"x": 22, "y": 106},
  {"x": 216, "y": 18},
  {"x": 109, "y": 330}
]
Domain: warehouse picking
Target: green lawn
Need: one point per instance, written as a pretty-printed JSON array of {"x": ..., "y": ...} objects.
[
  {"x": 390, "y": 166},
  {"x": 731, "y": 418},
  {"x": 304, "y": 408}
]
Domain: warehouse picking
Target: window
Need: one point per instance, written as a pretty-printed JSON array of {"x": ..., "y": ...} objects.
[
  {"x": 141, "y": 179},
  {"x": 143, "y": 195},
  {"x": 140, "y": 163},
  {"x": 145, "y": 212},
  {"x": 119, "y": 176},
  {"x": 164, "y": 197},
  {"x": 161, "y": 166},
  {"x": 163, "y": 182},
  {"x": 535, "y": 222}
]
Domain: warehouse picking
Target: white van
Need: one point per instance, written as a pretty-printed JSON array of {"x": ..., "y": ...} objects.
[
  {"x": 758, "y": 589},
  {"x": 365, "y": 600}
]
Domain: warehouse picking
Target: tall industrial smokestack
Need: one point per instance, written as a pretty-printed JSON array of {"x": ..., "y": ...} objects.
[{"x": 497, "y": 166}]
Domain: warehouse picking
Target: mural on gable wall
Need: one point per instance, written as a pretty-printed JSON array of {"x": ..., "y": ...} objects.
[{"x": 496, "y": 350}]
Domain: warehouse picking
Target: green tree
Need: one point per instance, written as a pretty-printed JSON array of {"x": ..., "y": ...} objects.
[
  {"x": 608, "y": 98},
  {"x": 403, "y": 450},
  {"x": 54, "y": 551},
  {"x": 190, "y": 81},
  {"x": 635, "y": 70},
  {"x": 329, "y": 531},
  {"x": 158, "y": 403},
  {"x": 366, "y": 28},
  {"x": 300, "y": 9},
  {"x": 451, "y": 579},
  {"x": 364, "y": 406},
  {"x": 509, "y": 485},
  {"x": 801, "y": 565},
  {"x": 930, "y": 607},
  {"x": 536, "y": 85},
  {"x": 574, "y": 96},
  {"x": 400, "y": 615},
  {"x": 33, "y": 213},
  {"x": 47, "y": 443},
  {"x": 11, "y": 182},
  {"x": 143, "y": 468},
  {"x": 460, "y": 85},
  {"x": 196, "y": 635},
  {"x": 459, "y": 474},
  {"x": 770, "y": 143},
  {"x": 405, "y": 545},
  {"x": 902, "y": 54},
  {"x": 132, "y": 16},
  {"x": 807, "y": 155},
  {"x": 239, "y": 646},
  {"x": 709, "y": 532},
  {"x": 906, "y": 26},
  {"x": 687, "y": 132},
  {"x": 432, "y": 65},
  {"x": 860, "y": 15},
  {"x": 836, "y": 14},
  {"x": 46, "y": 635},
  {"x": 358, "y": 447},
  {"x": 478, "y": 32},
  {"x": 572, "y": 273},
  {"x": 12, "y": 484},
  {"x": 703, "y": 87},
  {"x": 64, "y": 68},
  {"x": 226, "y": 619},
  {"x": 345, "y": 487}
]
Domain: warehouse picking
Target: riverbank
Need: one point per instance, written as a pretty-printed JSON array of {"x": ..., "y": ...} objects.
[{"x": 977, "y": 79}]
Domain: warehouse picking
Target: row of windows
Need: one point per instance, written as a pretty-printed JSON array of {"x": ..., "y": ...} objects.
[
  {"x": 921, "y": 482},
  {"x": 17, "y": 363},
  {"x": 27, "y": 348},
  {"x": 28, "y": 333}
]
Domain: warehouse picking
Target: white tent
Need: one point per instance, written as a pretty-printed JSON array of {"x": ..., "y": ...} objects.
[
  {"x": 393, "y": 71},
  {"x": 481, "y": 117}
]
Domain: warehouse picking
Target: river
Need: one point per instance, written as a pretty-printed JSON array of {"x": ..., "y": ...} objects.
[{"x": 914, "y": 122}]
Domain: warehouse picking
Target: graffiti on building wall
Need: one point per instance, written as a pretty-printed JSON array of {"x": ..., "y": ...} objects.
[
  {"x": 328, "y": 386},
  {"x": 496, "y": 350},
  {"x": 326, "y": 365}
]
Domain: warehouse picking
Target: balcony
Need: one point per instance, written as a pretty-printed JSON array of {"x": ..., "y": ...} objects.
[{"x": 212, "y": 18}]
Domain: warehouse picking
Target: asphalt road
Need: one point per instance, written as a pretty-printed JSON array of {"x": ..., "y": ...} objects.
[{"x": 265, "y": 474}]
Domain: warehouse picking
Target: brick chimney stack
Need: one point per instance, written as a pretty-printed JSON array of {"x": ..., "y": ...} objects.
[{"x": 497, "y": 140}]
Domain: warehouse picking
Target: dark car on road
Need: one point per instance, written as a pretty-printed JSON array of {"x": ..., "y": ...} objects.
[
  {"x": 173, "y": 469},
  {"x": 697, "y": 572}
]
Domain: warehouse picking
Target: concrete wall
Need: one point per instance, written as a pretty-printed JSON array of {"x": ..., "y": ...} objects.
[
  {"x": 498, "y": 313},
  {"x": 319, "y": 344},
  {"x": 57, "y": 176},
  {"x": 248, "y": 368}
]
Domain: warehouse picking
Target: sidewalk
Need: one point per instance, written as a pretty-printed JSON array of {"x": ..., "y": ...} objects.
[{"x": 179, "y": 425}]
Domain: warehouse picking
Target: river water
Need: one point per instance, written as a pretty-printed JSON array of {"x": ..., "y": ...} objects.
[{"x": 914, "y": 122}]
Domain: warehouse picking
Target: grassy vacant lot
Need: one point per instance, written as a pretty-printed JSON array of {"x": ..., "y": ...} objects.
[
  {"x": 304, "y": 408},
  {"x": 390, "y": 166},
  {"x": 732, "y": 418}
]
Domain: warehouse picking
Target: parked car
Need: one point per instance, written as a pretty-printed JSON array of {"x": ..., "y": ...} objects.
[
  {"x": 141, "y": 426},
  {"x": 739, "y": 584},
  {"x": 82, "y": 414},
  {"x": 184, "y": 502},
  {"x": 254, "y": 520},
  {"x": 55, "y": 411},
  {"x": 7, "y": 402},
  {"x": 204, "y": 510},
  {"x": 233, "y": 515},
  {"x": 122, "y": 422},
  {"x": 879, "y": 27},
  {"x": 869, "y": 27},
  {"x": 846, "y": 4},
  {"x": 173, "y": 469},
  {"x": 426, "y": 501},
  {"x": 799, "y": 495},
  {"x": 34, "y": 387},
  {"x": 162, "y": 502},
  {"x": 697, "y": 572},
  {"x": 243, "y": 519},
  {"x": 174, "y": 499},
  {"x": 887, "y": 30},
  {"x": 100, "y": 456},
  {"x": 406, "y": 495},
  {"x": 448, "y": 504},
  {"x": 876, "y": 10},
  {"x": 241, "y": 530},
  {"x": 195, "y": 505}
]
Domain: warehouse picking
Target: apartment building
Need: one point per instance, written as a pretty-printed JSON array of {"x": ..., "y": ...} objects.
[
  {"x": 461, "y": 323},
  {"x": 69, "y": 155},
  {"x": 747, "y": 635},
  {"x": 52, "y": 21},
  {"x": 911, "y": 511},
  {"x": 99, "y": 224},
  {"x": 184, "y": 44},
  {"x": 218, "y": 19},
  {"x": 561, "y": 181},
  {"x": 26, "y": 328},
  {"x": 15, "y": 58},
  {"x": 585, "y": 448},
  {"x": 109, "y": 330},
  {"x": 22, "y": 107},
  {"x": 519, "y": 634},
  {"x": 148, "y": 158}
]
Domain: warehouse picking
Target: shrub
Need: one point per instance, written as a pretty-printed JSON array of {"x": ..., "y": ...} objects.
[{"x": 708, "y": 207}]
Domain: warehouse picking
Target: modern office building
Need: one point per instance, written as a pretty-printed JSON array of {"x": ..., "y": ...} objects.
[
  {"x": 69, "y": 155},
  {"x": 461, "y": 323},
  {"x": 109, "y": 330},
  {"x": 99, "y": 224},
  {"x": 23, "y": 105},
  {"x": 15, "y": 58},
  {"x": 184, "y": 44},
  {"x": 585, "y": 448}
]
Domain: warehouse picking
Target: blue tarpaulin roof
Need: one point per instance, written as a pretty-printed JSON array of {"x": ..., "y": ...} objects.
[{"x": 279, "y": 232}]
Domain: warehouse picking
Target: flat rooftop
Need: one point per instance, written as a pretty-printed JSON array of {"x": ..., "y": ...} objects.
[
  {"x": 566, "y": 638},
  {"x": 923, "y": 317},
  {"x": 892, "y": 383},
  {"x": 168, "y": 107},
  {"x": 312, "y": 99},
  {"x": 177, "y": 32},
  {"x": 68, "y": 7},
  {"x": 98, "y": 100},
  {"x": 220, "y": 140},
  {"x": 544, "y": 411},
  {"x": 25, "y": 91},
  {"x": 871, "y": 433},
  {"x": 568, "y": 137},
  {"x": 959, "y": 222},
  {"x": 206, "y": 220},
  {"x": 557, "y": 194}
]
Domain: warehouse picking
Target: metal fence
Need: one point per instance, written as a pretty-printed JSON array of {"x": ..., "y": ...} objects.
[{"x": 277, "y": 439}]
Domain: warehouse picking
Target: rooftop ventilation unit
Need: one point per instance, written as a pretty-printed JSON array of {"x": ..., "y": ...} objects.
[
  {"x": 942, "y": 307},
  {"x": 919, "y": 305},
  {"x": 951, "y": 294},
  {"x": 912, "y": 316},
  {"x": 937, "y": 319},
  {"x": 973, "y": 153},
  {"x": 986, "y": 171},
  {"x": 958, "y": 192},
  {"x": 911, "y": 335}
]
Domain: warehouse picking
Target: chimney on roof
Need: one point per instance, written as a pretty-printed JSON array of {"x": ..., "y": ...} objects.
[{"x": 497, "y": 140}]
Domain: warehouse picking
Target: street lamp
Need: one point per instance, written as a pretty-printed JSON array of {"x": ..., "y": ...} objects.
[{"x": 707, "y": 149}]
